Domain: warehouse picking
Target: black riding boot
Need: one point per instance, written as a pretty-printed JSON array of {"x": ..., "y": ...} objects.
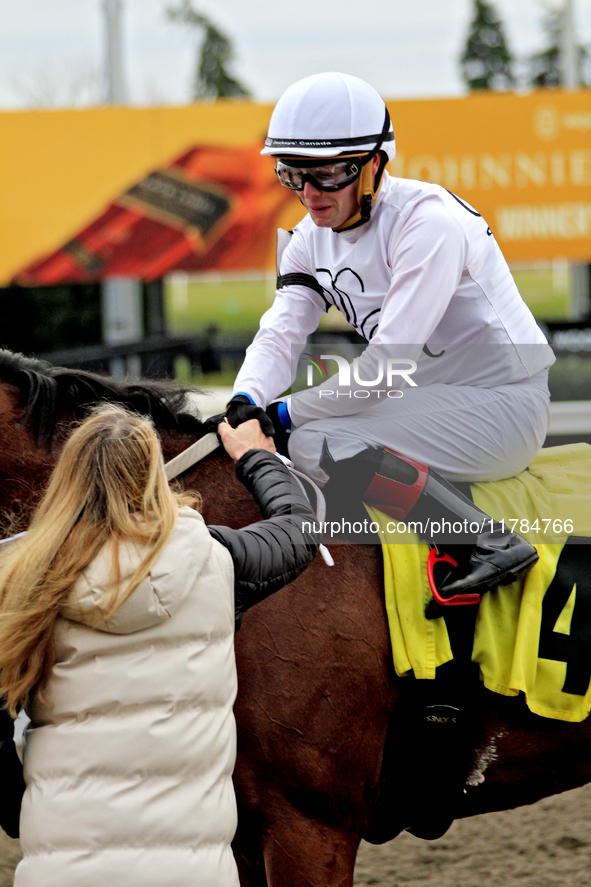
[
  {"x": 346, "y": 515},
  {"x": 486, "y": 552}
]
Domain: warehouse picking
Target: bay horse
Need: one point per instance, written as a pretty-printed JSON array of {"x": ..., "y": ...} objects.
[{"x": 318, "y": 702}]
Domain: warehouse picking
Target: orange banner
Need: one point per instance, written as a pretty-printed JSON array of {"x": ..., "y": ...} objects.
[
  {"x": 211, "y": 208},
  {"x": 523, "y": 161},
  {"x": 142, "y": 191}
]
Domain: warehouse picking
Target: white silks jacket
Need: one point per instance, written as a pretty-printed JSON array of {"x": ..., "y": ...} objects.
[
  {"x": 423, "y": 277},
  {"x": 129, "y": 765}
]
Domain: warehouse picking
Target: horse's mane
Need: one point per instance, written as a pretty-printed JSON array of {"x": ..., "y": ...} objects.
[{"x": 51, "y": 392}]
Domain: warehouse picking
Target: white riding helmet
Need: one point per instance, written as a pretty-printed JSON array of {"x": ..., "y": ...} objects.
[
  {"x": 330, "y": 115},
  {"x": 326, "y": 115}
]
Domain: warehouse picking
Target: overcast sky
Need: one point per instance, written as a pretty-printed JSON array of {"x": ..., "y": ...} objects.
[{"x": 52, "y": 50}]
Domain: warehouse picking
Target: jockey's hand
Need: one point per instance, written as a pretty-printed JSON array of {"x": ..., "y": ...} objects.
[
  {"x": 240, "y": 410},
  {"x": 247, "y": 436},
  {"x": 279, "y": 415}
]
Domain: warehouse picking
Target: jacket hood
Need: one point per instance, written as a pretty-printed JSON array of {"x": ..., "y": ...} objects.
[{"x": 158, "y": 595}]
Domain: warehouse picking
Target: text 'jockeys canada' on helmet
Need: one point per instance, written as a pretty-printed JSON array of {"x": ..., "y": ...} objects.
[{"x": 327, "y": 129}]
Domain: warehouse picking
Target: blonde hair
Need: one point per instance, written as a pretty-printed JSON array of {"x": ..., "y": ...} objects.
[{"x": 107, "y": 487}]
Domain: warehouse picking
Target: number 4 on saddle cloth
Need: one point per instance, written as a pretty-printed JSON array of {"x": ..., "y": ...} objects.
[{"x": 534, "y": 635}]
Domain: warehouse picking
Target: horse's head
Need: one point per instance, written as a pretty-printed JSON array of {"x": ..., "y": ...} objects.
[
  {"x": 39, "y": 405},
  {"x": 24, "y": 465}
]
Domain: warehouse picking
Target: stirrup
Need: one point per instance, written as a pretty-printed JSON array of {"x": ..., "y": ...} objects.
[{"x": 456, "y": 600}]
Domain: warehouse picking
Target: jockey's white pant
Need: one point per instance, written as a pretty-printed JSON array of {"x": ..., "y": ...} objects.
[{"x": 464, "y": 433}]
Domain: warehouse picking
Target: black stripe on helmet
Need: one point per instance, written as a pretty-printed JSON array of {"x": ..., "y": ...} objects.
[{"x": 326, "y": 143}]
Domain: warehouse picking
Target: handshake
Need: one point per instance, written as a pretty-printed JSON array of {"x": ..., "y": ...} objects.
[{"x": 274, "y": 421}]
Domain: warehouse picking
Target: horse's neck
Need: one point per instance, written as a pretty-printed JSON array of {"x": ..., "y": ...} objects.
[
  {"x": 225, "y": 500},
  {"x": 24, "y": 466}
]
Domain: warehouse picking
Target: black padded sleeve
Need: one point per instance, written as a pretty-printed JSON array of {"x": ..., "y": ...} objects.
[{"x": 269, "y": 554}]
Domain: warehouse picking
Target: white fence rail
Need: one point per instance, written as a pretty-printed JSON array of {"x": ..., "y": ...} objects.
[{"x": 570, "y": 417}]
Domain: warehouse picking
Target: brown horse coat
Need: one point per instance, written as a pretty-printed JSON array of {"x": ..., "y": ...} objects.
[{"x": 317, "y": 692}]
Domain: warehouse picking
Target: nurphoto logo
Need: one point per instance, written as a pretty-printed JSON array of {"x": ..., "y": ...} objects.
[{"x": 386, "y": 370}]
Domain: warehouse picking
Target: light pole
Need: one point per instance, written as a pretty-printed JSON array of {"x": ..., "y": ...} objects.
[
  {"x": 568, "y": 47},
  {"x": 115, "y": 86},
  {"x": 580, "y": 287},
  {"x": 122, "y": 304}
]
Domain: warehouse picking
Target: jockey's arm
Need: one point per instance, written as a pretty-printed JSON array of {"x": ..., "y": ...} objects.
[{"x": 269, "y": 366}]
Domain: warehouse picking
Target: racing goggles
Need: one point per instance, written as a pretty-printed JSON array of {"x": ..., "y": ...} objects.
[{"x": 328, "y": 177}]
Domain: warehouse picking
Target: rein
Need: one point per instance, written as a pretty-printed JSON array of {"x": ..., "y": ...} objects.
[{"x": 192, "y": 455}]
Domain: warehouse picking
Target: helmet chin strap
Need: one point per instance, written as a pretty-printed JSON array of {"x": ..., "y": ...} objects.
[
  {"x": 368, "y": 187},
  {"x": 368, "y": 184}
]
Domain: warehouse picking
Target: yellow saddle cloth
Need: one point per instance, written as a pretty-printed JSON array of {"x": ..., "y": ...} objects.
[{"x": 533, "y": 636}]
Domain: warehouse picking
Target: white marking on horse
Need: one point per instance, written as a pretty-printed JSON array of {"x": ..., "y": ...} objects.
[{"x": 486, "y": 756}]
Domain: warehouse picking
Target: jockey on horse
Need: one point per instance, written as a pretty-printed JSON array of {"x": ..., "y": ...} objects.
[{"x": 418, "y": 273}]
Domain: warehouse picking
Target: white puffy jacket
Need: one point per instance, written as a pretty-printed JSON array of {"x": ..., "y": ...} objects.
[{"x": 129, "y": 766}]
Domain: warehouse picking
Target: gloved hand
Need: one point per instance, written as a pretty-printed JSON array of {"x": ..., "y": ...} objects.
[
  {"x": 240, "y": 410},
  {"x": 279, "y": 415}
]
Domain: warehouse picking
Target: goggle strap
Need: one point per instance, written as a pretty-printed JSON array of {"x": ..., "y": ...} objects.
[
  {"x": 323, "y": 143},
  {"x": 380, "y": 141}
]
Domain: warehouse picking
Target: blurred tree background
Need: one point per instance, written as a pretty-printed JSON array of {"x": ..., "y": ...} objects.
[
  {"x": 544, "y": 68},
  {"x": 487, "y": 62},
  {"x": 212, "y": 78}
]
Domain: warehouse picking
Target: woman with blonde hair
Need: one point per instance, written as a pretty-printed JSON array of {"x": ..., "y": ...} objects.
[{"x": 117, "y": 615}]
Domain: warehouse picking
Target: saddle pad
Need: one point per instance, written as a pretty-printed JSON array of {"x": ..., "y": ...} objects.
[{"x": 534, "y": 636}]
